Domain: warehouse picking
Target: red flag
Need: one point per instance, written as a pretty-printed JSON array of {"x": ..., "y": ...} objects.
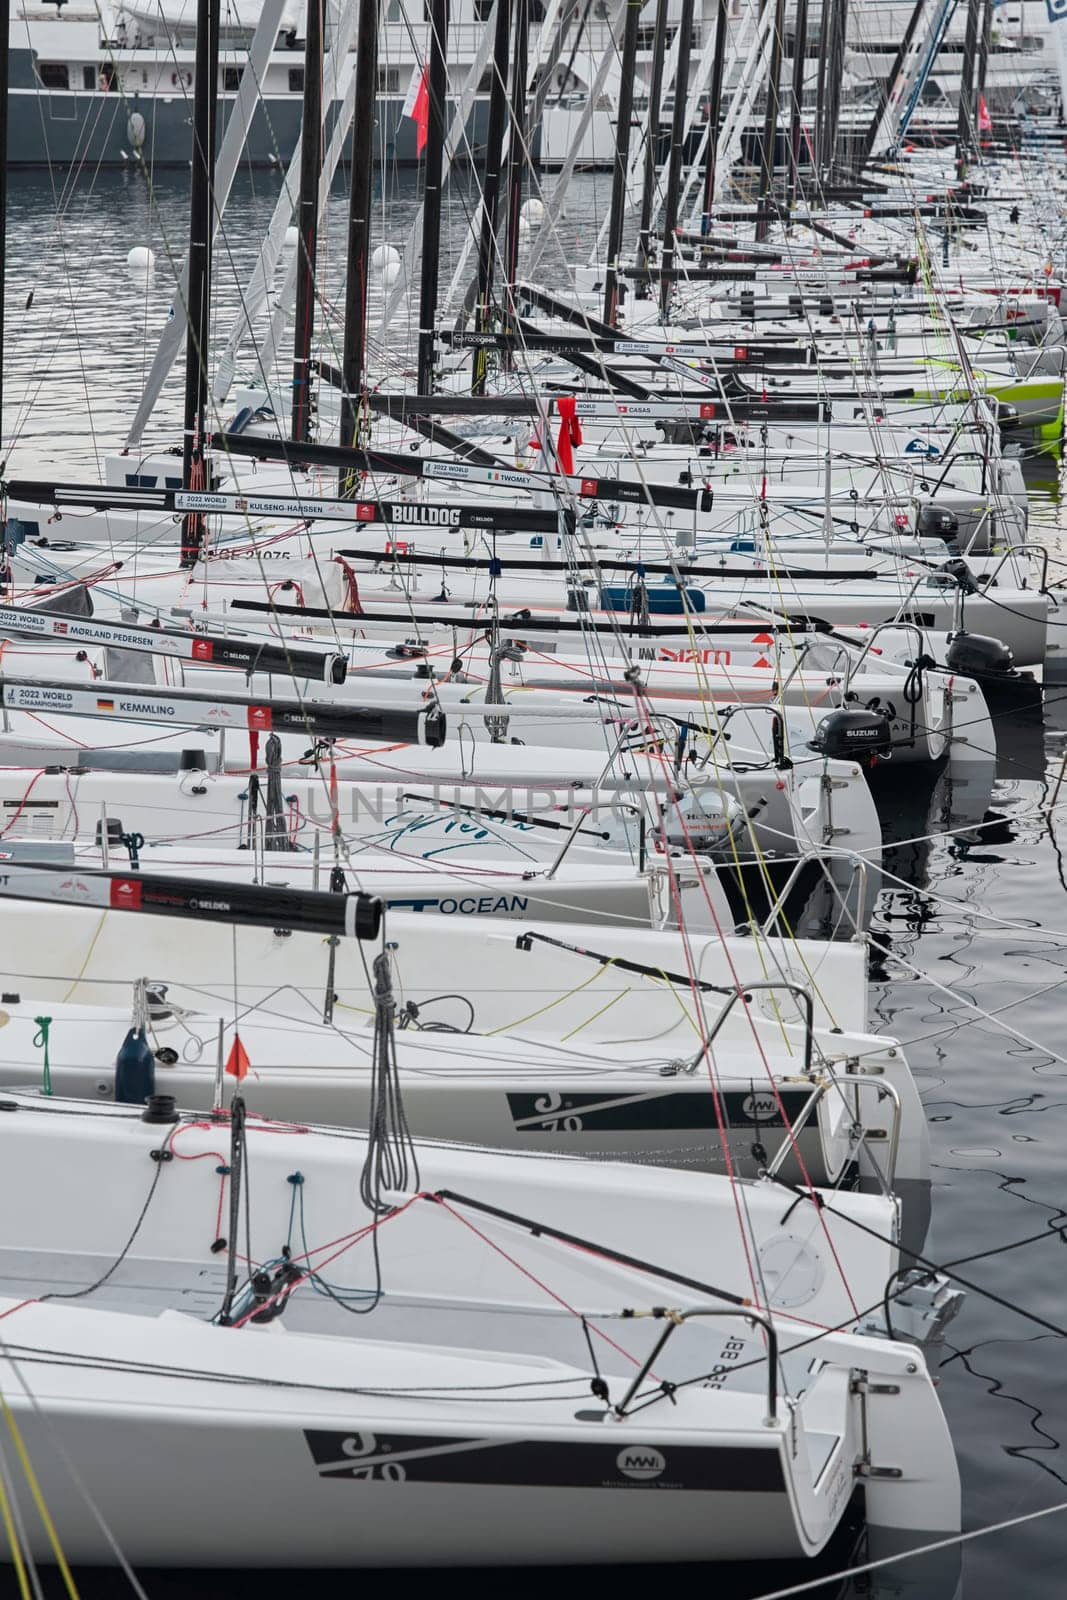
[
  {"x": 237, "y": 1062},
  {"x": 570, "y": 432},
  {"x": 985, "y": 121},
  {"x": 417, "y": 106}
]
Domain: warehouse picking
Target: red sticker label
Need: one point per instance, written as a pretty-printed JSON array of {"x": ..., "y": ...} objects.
[
  {"x": 203, "y": 649},
  {"x": 740, "y": 352},
  {"x": 589, "y": 488},
  {"x": 259, "y": 719},
  {"x": 706, "y": 408},
  {"x": 126, "y": 894},
  {"x": 365, "y": 511}
]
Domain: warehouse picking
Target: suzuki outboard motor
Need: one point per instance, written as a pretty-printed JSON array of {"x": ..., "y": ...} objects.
[{"x": 853, "y": 734}]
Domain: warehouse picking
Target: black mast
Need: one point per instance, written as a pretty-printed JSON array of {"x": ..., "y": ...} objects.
[
  {"x": 984, "y": 44},
  {"x": 622, "y": 159},
  {"x": 718, "y": 64},
  {"x": 820, "y": 89},
  {"x": 5, "y": 43},
  {"x": 796, "y": 101},
  {"x": 966, "y": 119},
  {"x": 674, "y": 170},
  {"x": 648, "y": 187},
  {"x": 437, "y": 91},
  {"x": 516, "y": 155},
  {"x": 494, "y": 147},
  {"x": 201, "y": 219},
  {"x": 308, "y": 220},
  {"x": 770, "y": 121},
  {"x": 354, "y": 359},
  {"x": 835, "y": 67}
]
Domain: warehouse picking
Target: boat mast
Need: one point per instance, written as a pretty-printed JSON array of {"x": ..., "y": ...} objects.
[
  {"x": 437, "y": 90},
  {"x": 516, "y": 158},
  {"x": 796, "y": 101},
  {"x": 820, "y": 91},
  {"x": 835, "y": 68},
  {"x": 201, "y": 225},
  {"x": 354, "y": 356},
  {"x": 770, "y": 121},
  {"x": 494, "y": 147},
  {"x": 967, "y": 116},
  {"x": 674, "y": 169},
  {"x": 718, "y": 73},
  {"x": 308, "y": 219},
  {"x": 622, "y": 159},
  {"x": 648, "y": 186},
  {"x": 5, "y": 43},
  {"x": 985, "y": 44}
]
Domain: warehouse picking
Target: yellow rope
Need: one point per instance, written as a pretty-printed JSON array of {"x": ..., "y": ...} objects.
[
  {"x": 613, "y": 1001},
  {"x": 558, "y": 1001},
  {"x": 87, "y": 958},
  {"x": 13, "y": 1543},
  {"x": 760, "y": 858},
  {"x": 39, "y": 1501}
]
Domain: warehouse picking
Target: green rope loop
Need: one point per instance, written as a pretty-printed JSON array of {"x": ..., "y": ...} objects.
[{"x": 40, "y": 1040}]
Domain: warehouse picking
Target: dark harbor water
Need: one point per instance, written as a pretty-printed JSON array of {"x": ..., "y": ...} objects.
[{"x": 969, "y": 940}]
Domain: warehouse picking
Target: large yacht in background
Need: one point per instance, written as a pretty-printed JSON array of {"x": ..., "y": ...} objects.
[{"x": 112, "y": 84}]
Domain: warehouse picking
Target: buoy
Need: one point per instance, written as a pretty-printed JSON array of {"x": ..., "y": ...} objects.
[
  {"x": 532, "y": 213},
  {"x": 141, "y": 263},
  {"x": 292, "y": 239}
]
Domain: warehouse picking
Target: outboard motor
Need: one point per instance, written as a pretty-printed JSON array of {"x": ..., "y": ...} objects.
[
  {"x": 991, "y": 664},
  {"x": 934, "y": 522},
  {"x": 956, "y": 570},
  {"x": 712, "y": 820},
  {"x": 853, "y": 734},
  {"x": 974, "y": 655}
]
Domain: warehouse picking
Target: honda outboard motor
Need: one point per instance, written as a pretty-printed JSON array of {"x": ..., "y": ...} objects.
[
  {"x": 853, "y": 734},
  {"x": 712, "y": 820}
]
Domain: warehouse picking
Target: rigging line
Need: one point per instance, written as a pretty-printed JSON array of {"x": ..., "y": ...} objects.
[
  {"x": 38, "y": 1499},
  {"x": 708, "y": 1053},
  {"x": 913, "y": 1554},
  {"x": 48, "y": 1426},
  {"x": 16, "y": 1538}
]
